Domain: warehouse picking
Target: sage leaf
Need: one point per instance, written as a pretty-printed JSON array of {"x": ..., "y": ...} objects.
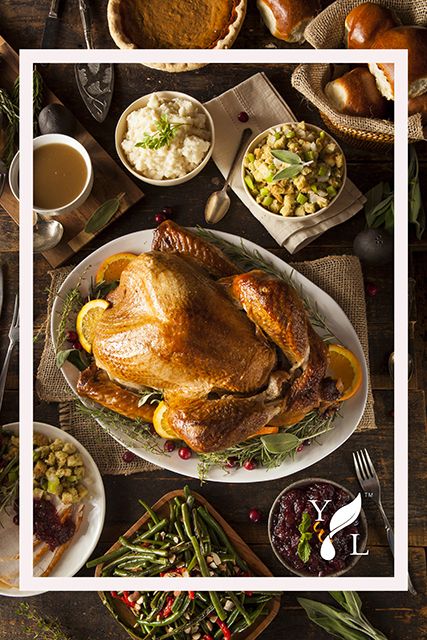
[
  {"x": 286, "y": 156},
  {"x": 289, "y": 172},
  {"x": 74, "y": 356},
  {"x": 62, "y": 357},
  {"x": 103, "y": 214},
  {"x": 280, "y": 442}
]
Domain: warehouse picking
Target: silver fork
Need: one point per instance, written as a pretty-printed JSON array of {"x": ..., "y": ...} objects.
[
  {"x": 3, "y": 174},
  {"x": 13, "y": 340},
  {"x": 370, "y": 484}
]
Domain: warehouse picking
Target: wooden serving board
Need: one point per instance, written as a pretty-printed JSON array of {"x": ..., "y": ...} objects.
[
  {"x": 126, "y": 619},
  {"x": 109, "y": 178}
]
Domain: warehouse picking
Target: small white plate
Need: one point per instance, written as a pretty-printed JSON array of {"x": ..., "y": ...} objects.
[
  {"x": 345, "y": 423},
  {"x": 86, "y": 538}
]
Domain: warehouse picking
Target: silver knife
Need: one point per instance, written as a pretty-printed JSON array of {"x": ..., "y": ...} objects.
[
  {"x": 94, "y": 81},
  {"x": 51, "y": 26},
  {"x": 1, "y": 287}
]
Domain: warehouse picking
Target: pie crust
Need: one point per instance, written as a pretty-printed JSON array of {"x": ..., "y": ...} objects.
[{"x": 192, "y": 24}]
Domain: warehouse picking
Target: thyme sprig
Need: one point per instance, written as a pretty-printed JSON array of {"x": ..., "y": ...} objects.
[
  {"x": 166, "y": 132},
  {"x": 41, "y": 627},
  {"x": 70, "y": 305},
  {"x": 249, "y": 259}
]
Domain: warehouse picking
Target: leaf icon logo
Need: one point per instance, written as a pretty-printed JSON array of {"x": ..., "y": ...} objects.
[{"x": 341, "y": 519}]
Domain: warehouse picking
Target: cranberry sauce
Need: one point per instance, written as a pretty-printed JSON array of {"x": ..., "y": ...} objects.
[
  {"x": 286, "y": 536},
  {"x": 48, "y": 526}
]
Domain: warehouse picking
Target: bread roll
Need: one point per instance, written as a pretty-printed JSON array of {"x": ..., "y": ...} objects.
[
  {"x": 287, "y": 19},
  {"x": 356, "y": 94},
  {"x": 412, "y": 38},
  {"x": 418, "y": 105},
  {"x": 365, "y": 22}
]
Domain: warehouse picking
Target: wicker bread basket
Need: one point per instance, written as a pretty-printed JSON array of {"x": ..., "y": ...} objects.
[{"x": 327, "y": 31}]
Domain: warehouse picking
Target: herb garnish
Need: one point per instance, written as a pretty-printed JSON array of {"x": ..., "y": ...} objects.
[
  {"x": 41, "y": 627},
  {"x": 296, "y": 165},
  {"x": 166, "y": 131},
  {"x": 103, "y": 214},
  {"x": 346, "y": 623},
  {"x": 304, "y": 548}
]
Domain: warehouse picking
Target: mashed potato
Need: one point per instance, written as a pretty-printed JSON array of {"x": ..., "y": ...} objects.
[{"x": 182, "y": 153}]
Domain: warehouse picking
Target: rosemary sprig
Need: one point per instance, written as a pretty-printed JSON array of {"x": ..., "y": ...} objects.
[
  {"x": 112, "y": 422},
  {"x": 166, "y": 131},
  {"x": 251, "y": 259},
  {"x": 10, "y": 112},
  {"x": 40, "y": 627},
  {"x": 255, "y": 449}
]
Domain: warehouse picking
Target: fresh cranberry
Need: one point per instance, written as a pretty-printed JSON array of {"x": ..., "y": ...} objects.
[
  {"x": 255, "y": 515},
  {"x": 371, "y": 289},
  {"x": 249, "y": 465},
  {"x": 231, "y": 463},
  {"x": 307, "y": 443},
  {"x": 128, "y": 456},
  {"x": 169, "y": 446},
  {"x": 300, "y": 448},
  {"x": 77, "y": 345},
  {"x": 243, "y": 116},
  {"x": 167, "y": 211},
  {"x": 184, "y": 453},
  {"x": 159, "y": 217},
  {"x": 72, "y": 336}
]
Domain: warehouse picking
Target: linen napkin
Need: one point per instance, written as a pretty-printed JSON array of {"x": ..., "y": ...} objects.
[{"x": 266, "y": 108}]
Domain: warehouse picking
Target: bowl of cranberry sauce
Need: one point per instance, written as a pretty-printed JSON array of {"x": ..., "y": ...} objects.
[{"x": 297, "y": 530}]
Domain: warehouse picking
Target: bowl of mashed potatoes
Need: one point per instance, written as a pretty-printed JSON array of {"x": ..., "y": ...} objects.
[{"x": 165, "y": 138}]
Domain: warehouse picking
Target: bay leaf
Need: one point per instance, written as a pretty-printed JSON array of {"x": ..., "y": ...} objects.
[
  {"x": 280, "y": 442},
  {"x": 103, "y": 214},
  {"x": 286, "y": 156},
  {"x": 289, "y": 172}
]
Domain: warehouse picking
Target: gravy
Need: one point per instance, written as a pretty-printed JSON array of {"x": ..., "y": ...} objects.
[{"x": 60, "y": 174}]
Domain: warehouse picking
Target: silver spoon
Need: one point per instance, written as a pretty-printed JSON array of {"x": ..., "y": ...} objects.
[
  {"x": 391, "y": 366},
  {"x": 218, "y": 202},
  {"x": 47, "y": 233}
]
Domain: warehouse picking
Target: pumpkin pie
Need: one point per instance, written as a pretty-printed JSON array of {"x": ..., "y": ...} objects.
[{"x": 175, "y": 24}]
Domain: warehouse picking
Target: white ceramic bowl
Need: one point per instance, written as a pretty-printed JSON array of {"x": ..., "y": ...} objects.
[
  {"x": 256, "y": 142},
  {"x": 55, "y": 138},
  {"x": 121, "y": 129}
]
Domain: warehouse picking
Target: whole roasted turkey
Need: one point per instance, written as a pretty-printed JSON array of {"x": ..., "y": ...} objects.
[{"x": 231, "y": 352}]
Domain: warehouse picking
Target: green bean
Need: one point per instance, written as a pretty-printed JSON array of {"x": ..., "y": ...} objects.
[
  {"x": 106, "y": 558},
  {"x": 204, "y": 614},
  {"x": 240, "y": 607},
  {"x": 181, "y": 608},
  {"x": 150, "y": 511},
  {"x": 222, "y": 536},
  {"x": 158, "y": 527}
]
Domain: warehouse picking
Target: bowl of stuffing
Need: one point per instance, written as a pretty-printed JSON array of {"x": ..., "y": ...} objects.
[{"x": 294, "y": 170}]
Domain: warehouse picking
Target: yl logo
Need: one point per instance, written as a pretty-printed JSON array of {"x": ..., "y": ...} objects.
[{"x": 342, "y": 518}]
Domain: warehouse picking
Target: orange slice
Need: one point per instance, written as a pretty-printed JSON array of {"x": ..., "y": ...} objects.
[
  {"x": 112, "y": 267},
  {"x": 160, "y": 425},
  {"x": 87, "y": 320},
  {"x": 344, "y": 365},
  {"x": 264, "y": 431}
]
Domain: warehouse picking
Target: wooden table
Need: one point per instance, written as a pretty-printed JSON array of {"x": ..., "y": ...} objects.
[{"x": 399, "y": 615}]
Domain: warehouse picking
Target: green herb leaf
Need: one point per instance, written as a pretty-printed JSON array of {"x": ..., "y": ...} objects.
[
  {"x": 280, "y": 442},
  {"x": 166, "y": 131},
  {"x": 289, "y": 172},
  {"x": 103, "y": 214},
  {"x": 305, "y": 523},
  {"x": 74, "y": 356},
  {"x": 62, "y": 357},
  {"x": 304, "y": 547},
  {"x": 101, "y": 289},
  {"x": 286, "y": 156}
]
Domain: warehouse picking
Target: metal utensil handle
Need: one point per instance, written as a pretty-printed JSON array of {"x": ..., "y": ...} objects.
[
  {"x": 54, "y": 9},
  {"x": 86, "y": 23},
  {"x": 5, "y": 368},
  {"x": 245, "y": 135},
  {"x": 390, "y": 539}
]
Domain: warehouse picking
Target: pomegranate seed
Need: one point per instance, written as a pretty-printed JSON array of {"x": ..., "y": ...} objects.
[
  {"x": 169, "y": 446},
  {"x": 77, "y": 345},
  {"x": 255, "y": 515},
  {"x": 249, "y": 465},
  {"x": 72, "y": 336},
  {"x": 167, "y": 211},
  {"x": 371, "y": 289},
  {"x": 128, "y": 456},
  {"x": 231, "y": 463},
  {"x": 185, "y": 453},
  {"x": 243, "y": 116},
  {"x": 300, "y": 448},
  {"x": 159, "y": 217}
]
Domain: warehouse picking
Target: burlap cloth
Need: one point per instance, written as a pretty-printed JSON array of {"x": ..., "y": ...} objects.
[
  {"x": 340, "y": 276},
  {"x": 327, "y": 31}
]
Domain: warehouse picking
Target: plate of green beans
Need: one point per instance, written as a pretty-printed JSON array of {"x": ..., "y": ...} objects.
[{"x": 191, "y": 615}]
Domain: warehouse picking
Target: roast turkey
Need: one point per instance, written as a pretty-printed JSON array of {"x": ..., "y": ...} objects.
[{"x": 231, "y": 352}]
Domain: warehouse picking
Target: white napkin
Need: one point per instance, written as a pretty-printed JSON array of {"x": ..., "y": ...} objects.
[{"x": 266, "y": 108}]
